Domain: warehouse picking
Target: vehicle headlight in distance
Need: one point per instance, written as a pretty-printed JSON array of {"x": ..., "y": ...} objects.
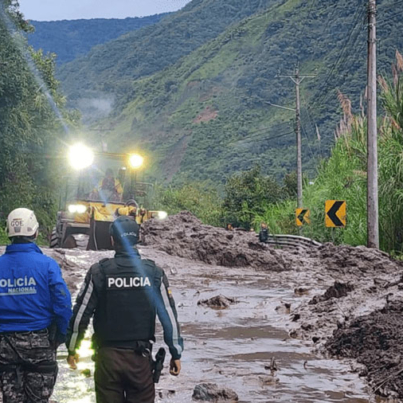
[
  {"x": 72, "y": 208},
  {"x": 162, "y": 215},
  {"x": 136, "y": 161},
  {"x": 77, "y": 208},
  {"x": 80, "y": 156},
  {"x": 81, "y": 209}
]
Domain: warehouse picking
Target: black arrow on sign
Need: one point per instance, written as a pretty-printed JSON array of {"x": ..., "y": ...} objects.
[
  {"x": 332, "y": 214},
  {"x": 302, "y": 215}
]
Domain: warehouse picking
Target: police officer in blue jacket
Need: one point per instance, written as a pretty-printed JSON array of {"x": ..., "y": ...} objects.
[{"x": 35, "y": 308}]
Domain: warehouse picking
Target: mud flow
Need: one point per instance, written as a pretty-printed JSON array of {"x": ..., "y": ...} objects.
[
  {"x": 232, "y": 347},
  {"x": 259, "y": 320}
]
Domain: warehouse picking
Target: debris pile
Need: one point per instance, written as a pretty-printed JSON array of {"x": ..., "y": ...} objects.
[
  {"x": 210, "y": 392},
  {"x": 183, "y": 235},
  {"x": 218, "y": 302},
  {"x": 375, "y": 340},
  {"x": 355, "y": 261},
  {"x": 338, "y": 290}
]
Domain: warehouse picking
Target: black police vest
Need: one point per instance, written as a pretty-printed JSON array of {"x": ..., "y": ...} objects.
[{"x": 126, "y": 310}]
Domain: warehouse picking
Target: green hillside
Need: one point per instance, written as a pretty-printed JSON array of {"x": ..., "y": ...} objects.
[
  {"x": 208, "y": 116},
  {"x": 71, "y": 39},
  {"x": 110, "y": 68}
]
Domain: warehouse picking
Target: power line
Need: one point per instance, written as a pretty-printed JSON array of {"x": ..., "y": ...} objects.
[
  {"x": 358, "y": 15},
  {"x": 248, "y": 140}
]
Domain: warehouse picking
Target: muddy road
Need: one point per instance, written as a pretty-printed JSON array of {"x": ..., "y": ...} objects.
[
  {"x": 230, "y": 347},
  {"x": 265, "y": 337}
]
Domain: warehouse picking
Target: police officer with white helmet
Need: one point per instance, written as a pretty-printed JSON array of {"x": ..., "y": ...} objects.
[{"x": 35, "y": 308}]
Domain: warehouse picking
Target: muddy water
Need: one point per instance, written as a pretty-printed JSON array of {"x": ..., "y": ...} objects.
[{"x": 229, "y": 347}]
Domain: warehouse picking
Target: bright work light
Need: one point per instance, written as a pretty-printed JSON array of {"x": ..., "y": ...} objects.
[
  {"x": 80, "y": 156},
  {"x": 136, "y": 161},
  {"x": 162, "y": 215},
  {"x": 77, "y": 208}
]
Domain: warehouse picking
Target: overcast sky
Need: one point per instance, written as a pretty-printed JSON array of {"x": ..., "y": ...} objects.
[{"x": 50, "y": 10}]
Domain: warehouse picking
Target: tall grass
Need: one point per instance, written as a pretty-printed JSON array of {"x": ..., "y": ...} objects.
[{"x": 344, "y": 176}]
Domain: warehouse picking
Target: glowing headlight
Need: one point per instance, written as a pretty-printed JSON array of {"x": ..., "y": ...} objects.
[
  {"x": 72, "y": 208},
  {"x": 80, "y": 156},
  {"x": 81, "y": 209},
  {"x": 77, "y": 208},
  {"x": 136, "y": 161},
  {"x": 162, "y": 215}
]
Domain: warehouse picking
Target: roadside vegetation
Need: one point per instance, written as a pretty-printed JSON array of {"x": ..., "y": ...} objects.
[
  {"x": 30, "y": 134},
  {"x": 246, "y": 198},
  {"x": 344, "y": 175},
  {"x": 251, "y": 197}
]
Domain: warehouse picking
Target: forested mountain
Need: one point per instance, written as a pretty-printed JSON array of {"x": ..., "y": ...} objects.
[
  {"x": 208, "y": 115},
  {"x": 71, "y": 39},
  {"x": 110, "y": 68}
]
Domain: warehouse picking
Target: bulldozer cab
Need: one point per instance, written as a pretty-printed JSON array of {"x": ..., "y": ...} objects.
[
  {"x": 93, "y": 198},
  {"x": 108, "y": 180}
]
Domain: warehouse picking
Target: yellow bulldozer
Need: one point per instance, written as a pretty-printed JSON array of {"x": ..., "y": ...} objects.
[{"x": 101, "y": 187}]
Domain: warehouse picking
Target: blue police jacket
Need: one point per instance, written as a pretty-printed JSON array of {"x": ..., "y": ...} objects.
[{"x": 33, "y": 293}]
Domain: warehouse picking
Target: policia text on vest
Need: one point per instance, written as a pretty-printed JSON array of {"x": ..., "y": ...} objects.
[{"x": 124, "y": 295}]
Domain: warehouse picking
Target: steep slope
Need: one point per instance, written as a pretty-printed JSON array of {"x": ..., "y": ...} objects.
[
  {"x": 71, "y": 39},
  {"x": 110, "y": 68},
  {"x": 209, "y": 115}
]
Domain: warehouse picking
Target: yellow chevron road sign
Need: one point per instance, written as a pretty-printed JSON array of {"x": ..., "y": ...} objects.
[
  {"x": 302, "y": 216},
  {"x": 336, "y": 213}
]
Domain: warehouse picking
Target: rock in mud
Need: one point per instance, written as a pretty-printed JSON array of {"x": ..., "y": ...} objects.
[
  {"x": 338, "y": 290},
  {"x": 301, "y": 291},
  {"x": 218, "y": 302},
  {"x": 375, "y": 340},
  {"x": 210, "y": 392},
  {"x": 183, "y": 235}
]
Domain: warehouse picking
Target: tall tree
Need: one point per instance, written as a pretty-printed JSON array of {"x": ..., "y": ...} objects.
[{"x": 29, "y": 129}]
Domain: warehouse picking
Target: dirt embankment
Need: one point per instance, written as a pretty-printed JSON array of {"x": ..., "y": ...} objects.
[
  {"x": 183, "y": 235},
  {"x": 375, "y": 340},
  {"x": 360, "y": 316}
]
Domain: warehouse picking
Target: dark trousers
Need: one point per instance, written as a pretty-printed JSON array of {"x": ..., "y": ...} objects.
[
  {"x": 28, "y": 367},
  {"x": 123, "y": 376}
]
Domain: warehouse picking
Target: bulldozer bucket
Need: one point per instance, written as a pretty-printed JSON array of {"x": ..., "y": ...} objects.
[{"x": 99, "y": 236}]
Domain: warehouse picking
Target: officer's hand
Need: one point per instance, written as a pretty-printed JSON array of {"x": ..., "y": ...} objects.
[
  {"x": 175, "y": 367},
  {"x": 72, "y": 360}
]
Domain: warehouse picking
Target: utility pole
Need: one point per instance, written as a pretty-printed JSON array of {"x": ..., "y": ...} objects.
[
  {"x": 372, "y": 134},
  {"x": 299, "y": 141},
  {"x": 297, "y": 79}
]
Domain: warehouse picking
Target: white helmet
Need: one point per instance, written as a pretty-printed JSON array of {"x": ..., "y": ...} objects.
[{"x": 21, "y": 222}]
